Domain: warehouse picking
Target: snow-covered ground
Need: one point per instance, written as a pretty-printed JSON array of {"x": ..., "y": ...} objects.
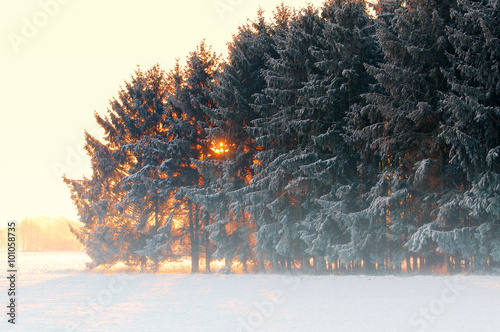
[{"x": 55, "y": 294}]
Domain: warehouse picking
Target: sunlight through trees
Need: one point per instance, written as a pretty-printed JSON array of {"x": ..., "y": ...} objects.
[{"x": 328, "y": 140}]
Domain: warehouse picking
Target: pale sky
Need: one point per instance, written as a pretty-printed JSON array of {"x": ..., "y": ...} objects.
[{"x": 61, "y": 60}]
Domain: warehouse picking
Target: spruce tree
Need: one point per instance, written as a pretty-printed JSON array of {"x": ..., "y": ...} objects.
[
  {"x": 403, "y": 126},
  {"x": 471, "y": 129},
  {"x": 348, "y": 44},
  {"x": 282, "y": 133},
  {"x": 234, "y": 91},
  {"x": 114, "y": 231},
  {"x": 187, "y": 142}
]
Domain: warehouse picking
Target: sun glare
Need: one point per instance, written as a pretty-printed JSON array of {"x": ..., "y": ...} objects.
[{"x": 219, "y": 148}]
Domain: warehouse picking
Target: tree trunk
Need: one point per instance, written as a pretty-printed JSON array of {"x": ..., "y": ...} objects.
[
  {"x": 320, "y": 265},
  {"x": 368, "y": 266},
  {"x": 157, "y": 226},
  {"x": 143, "y": 264},
  {"x": 228, "y": 263},
  {"x": 245, "y": 267},
  {"x": 194, "y": 241},
  {"x": 262, "y": 266},
  {"x": 303, "y": 263},
  {"x": 447, "y": 263},
  {"x": 208, "y": 254}
]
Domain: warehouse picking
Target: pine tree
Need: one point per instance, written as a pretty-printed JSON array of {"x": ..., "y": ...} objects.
[
  {"x": 471, "y": 130},
  {"x": 112, "y": 229},
  {"x": 403, "y": 125},
  {"x": 147, "y": 186},
  {"x": 347, "y": 44},
  {"x": 283, "y": 133},
  {"x": 94, "y": 199},
  {"x": 234, "y": 92},
  {"x": 187, "y": 143}
]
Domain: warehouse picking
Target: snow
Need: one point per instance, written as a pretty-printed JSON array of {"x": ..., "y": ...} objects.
[{"x": 64, "y": 297}]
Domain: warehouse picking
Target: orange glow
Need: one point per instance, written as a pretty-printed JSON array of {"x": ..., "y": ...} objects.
[
  {"x": 248, "y": 178},
  {"x": 404, "y": 266},
  {"x": 219, "y": 148},
  {"x": 440, "y": 269}
]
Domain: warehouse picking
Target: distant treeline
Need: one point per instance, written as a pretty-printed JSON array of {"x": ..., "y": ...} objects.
[
  {"x": 43, "y": 233},
  {"x": 328, "y": 140}
]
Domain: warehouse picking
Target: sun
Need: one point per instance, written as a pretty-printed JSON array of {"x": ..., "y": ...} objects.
[{"x": 219, "y": 148}]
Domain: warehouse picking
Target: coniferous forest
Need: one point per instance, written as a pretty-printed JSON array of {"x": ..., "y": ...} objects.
[{"x": 329, "y": 140}]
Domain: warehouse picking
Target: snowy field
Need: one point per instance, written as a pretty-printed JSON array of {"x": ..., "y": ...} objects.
[{"x": 55, "y": 294}]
